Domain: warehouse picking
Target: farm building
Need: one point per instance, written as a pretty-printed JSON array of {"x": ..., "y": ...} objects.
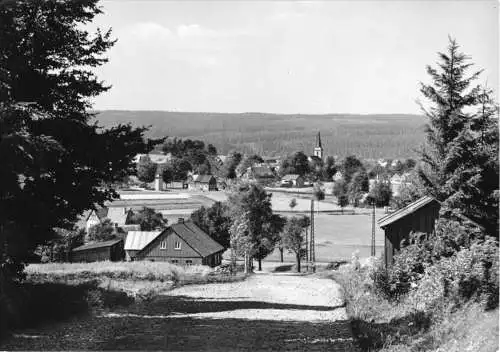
[
  {"x": 136, "y": 241},
  {"x": 119, "y": 216},
  {"x": 183, "y": 243},
  {"x": 292, "y": 180},
  {"x": 259, "y": 174},
  {"x": 419, "y": 216},
  {"x": 202, "y": 183},
  {"x": 99, "y": 251}
]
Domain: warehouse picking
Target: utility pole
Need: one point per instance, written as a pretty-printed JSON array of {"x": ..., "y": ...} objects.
[
  {"x": 312, "y": 256},
  {"x": 373, "y": 229},
  {"x": 307, "y": 246}
]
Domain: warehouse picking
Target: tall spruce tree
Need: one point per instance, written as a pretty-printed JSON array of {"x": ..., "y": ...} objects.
[{"x": 460, "y": 159}]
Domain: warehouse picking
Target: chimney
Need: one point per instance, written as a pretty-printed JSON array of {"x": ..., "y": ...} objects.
[{"x": 180, "y": 221}]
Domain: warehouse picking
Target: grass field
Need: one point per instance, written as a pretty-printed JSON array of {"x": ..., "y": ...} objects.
[
  {"x": 339, "y": 236},
  {"x": 147, "y": 271}
]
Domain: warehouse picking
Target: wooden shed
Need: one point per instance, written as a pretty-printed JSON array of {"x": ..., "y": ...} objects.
[
  {"x": 419, "y": 216},
  {"x": 99, "y": 251},
  {"x": 183, "y": 243}
]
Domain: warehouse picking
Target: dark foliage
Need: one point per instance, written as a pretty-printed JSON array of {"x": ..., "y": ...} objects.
[
  {"x": 460, "y": 160},
  {"x": 215, "y": 221},
  {"x": 146, "y": 170},
  {"x": 56, "y": 162},
  {"x": 148, "y": 219}
]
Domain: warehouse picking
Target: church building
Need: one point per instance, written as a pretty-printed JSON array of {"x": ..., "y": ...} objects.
[{"x": 318, "y": 149}]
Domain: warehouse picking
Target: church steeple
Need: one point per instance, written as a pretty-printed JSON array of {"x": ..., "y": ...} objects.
[
  {"x": 318, "y": 150},
  {"x": 318, "y": 141}
]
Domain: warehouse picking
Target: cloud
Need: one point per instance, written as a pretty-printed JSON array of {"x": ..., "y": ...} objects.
[
  {"x": 197, "y": 31},
  {"x": 194, "y": 30},
  {"x": 147, "y": 30}
]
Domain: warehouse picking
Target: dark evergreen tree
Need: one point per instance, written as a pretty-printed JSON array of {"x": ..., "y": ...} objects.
[{"x": 460, "y": 159}]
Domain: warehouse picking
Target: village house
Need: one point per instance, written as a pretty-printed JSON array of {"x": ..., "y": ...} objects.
[
  {"x": 91, "y": 218},
  {"x": 398, "y": 182},
  {"x": 338, "y": 176},
  {"x": 273, "y": 162},
  {"x": 292, "y": 180},
  {"x": 202, "y": 183},
  {"x": 183, "y": 243},
  {"x": 419, "y": 216},
  {"x": 157, "y": 158},
  {"x": 119, "y": 216},
  {"x": 260, "y": 174},
  {"x": 99, "y": 251}
]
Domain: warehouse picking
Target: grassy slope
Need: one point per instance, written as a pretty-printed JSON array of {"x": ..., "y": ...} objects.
[
  {"x": 369, "y": 136},
  {"x": 380, "y": 325}
]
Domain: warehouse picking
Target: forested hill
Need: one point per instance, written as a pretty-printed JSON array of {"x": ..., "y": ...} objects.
[{"x": 368, "y": 136}]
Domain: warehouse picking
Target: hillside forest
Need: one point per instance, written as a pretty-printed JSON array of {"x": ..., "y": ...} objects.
[{"x": 367, "y": 136}]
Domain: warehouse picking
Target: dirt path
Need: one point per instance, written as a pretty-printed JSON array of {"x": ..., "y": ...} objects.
[{"x": 265, "y": 312}]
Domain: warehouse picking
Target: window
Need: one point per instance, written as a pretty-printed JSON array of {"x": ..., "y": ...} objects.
[
  {"x": 163, "y": 244},
  {"x": 177, "y": 245},
  {"x": 189, "y": 262}
]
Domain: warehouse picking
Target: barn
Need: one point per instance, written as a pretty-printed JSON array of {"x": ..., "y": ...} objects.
[
  {"x": 292, "y": 180},
  {"x": 99, "y": 251},
  {"x": 202, "y": 183},
  {"x": 419, "y": 216},
  {"x": 183, "y": 243}
]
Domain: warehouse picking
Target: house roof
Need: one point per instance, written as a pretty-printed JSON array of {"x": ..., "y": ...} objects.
[
  {"x": 196, "y": 238},
  {"x": 117, "y": 215},
  {"x": 262, "y": 171},
  {"x": 290, "y": 177},
  {"x": 138, "y": 240},
  {"x": 97, "y": 245},
  {"x": 101, "y": 213},
  {"x": 409, "y": 209}
]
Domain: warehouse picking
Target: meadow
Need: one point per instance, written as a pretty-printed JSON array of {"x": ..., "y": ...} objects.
[{"x": 368, "y": 136}]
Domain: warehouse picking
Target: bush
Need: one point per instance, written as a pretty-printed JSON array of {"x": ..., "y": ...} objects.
[{"x": 471, "y": 274}]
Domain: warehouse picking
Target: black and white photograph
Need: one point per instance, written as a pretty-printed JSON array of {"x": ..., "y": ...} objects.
[{"x": 249, "y": 175}]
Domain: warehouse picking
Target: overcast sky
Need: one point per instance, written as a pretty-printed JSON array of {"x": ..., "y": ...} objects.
[{"x": 286, "y": 57}]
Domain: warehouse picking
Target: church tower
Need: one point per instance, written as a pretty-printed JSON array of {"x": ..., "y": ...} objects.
[{"x": 318, "y": 149}]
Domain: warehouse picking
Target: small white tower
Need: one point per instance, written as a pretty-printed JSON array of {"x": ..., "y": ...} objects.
[
  {"x": 318, "y": 149},
  {"x": 158, "y": 183}
]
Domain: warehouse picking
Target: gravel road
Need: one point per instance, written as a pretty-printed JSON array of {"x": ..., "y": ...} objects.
[{"x": 266, "y": 312}]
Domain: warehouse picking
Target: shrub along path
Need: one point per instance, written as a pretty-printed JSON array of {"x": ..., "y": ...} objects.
[{"x": 266, "y": 312}]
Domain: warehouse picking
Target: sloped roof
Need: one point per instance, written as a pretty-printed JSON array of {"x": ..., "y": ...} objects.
[
  {"x": 197, "y": 238},
  {"x": 97, "y": 245},
  {"x": 101, "y": 213},
  {"x": 409, "y": 209},
  {"x": 290, "y": 177},
  {"x": 262, "y": 171},
  {"x": 117, "y": 215},
  {"x": 138, "y": 240}
]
